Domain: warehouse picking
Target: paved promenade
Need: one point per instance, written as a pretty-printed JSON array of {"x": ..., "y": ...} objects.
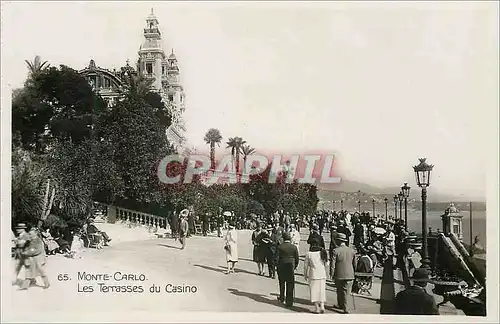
[{"x": 200, "y": 265}]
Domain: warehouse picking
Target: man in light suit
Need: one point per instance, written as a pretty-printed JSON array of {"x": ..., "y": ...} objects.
[
  {"x": 183, "y": 227},
  {"x": 343, "y": 264},
  {"x": 288, "y": 260}
]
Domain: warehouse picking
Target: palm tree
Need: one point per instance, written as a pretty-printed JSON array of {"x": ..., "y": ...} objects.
[
  {"x": 236, "y": 143},
  {"x": 213, "y": 137},
  {"x": 36, "y": 66},
  {"x": 138, "y": 84},
  {"x": 246, "y": 150}
]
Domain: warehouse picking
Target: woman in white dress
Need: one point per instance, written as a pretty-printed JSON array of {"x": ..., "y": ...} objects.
[
  {"x": 295, "y": 236},
  {"x": 315, "y": 265},
  {"x": 231, "y": 248}
]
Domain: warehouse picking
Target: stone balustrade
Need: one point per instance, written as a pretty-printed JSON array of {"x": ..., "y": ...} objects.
[{"x": 133, "y": 218}]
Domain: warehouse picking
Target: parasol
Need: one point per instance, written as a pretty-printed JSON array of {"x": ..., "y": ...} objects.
[{"x": 379, "y": 231}]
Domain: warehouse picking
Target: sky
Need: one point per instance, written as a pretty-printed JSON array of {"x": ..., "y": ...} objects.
[{"x": 379, "y": 84}]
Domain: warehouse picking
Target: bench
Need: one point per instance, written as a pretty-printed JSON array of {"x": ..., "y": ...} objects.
[
  {"x": 364, "y": 282},
  {"x": 96, "y": 241}
]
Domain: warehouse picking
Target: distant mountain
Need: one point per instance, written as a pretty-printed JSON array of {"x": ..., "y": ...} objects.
[{"x": 347, "y": 186}]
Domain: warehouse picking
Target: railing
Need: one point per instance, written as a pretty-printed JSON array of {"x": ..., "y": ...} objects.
[{"x": 133, "y": 217}]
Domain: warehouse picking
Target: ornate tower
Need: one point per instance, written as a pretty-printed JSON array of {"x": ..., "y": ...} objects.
[
  {"x": 163, "y": 72},
  {"x": 151, "y": 54},
  {"x": 452, "y": 221}
]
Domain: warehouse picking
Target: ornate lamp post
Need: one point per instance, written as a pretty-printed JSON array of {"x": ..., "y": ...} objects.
[
  {"x": 341, "y": 204},
  {"x": 423, "y": 175},
  {"x": 333, "y": 203},
  {"x": 395, "y": 207},
  {"x": 400, "y": 199},
  {"x": 386, "y": 200},
  {"x": 405, "y": 190},
  {"x": 359, "y": 206},
  {"x": 373, "y": 207}
]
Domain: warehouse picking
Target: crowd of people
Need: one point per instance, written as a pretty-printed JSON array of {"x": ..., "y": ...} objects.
[
  {"x": 31, "y": 245},
  {"x": 358, "y": 244}
]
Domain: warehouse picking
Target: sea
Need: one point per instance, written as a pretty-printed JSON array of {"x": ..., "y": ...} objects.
[{"x": 434, "y": 221}]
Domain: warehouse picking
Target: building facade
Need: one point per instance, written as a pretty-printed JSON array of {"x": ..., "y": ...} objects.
[{"x": 160, "y": 69}]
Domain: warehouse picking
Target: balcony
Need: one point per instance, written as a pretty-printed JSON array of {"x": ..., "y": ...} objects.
[{"x": 152, "y": 31}]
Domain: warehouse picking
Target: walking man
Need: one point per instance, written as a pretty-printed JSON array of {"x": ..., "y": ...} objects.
[
  {"x": 288, "y": 260},
  {"x": 184, "y": 227},
  {"x": 343, "y": 265}
]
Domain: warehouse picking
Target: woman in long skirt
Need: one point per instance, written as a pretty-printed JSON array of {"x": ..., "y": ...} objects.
[
  {"x": 315, "y": 265},
  {"x": 231, "y": 248}
]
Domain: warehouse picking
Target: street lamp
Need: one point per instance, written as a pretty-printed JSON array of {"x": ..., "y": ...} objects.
[
  {"x": 333, "y": 203},
  {"x": 405, "y": 190},
  {"x": 386, "y": 200},
  {"x": 373, "y": 207},
  {"x": 341, "y": 204},
  {"x": 395, "y": 207},
  {"x": 400, "y": 199},
  {"x": 359, "y": 206},
  {"x": 423, "y": 175}
]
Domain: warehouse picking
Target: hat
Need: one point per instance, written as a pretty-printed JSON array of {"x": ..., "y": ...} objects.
[
  {"x": 315, "y": 227},
  {"x": 286, "y": 236},
  {"x": 341, "y": 237},
  {"x": 420, "y": 275},
  {"x": 21, "y": 226},
  {"x": 184, "y": 213},
  {"x": 270, "y": 227}
]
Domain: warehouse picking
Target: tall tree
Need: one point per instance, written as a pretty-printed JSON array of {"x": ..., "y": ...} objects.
[
  {"x": 58, "y": 104},
  {"x": 235, "y": 144},
  {"x": 246, "y": 150},
  {"x": 138, "y": 141},
  {"x": 213, "y": 137}
]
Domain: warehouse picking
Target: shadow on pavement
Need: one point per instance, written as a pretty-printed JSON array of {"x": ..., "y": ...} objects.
[
  {"x": 264, "y": 299},
  {"x": 245, "y": 259},
  {"x": 170, "y": 246},
  {"x": 222, "y": 270},
  {"x": 373, "y": 298},
  {"x": 236, "y": 270}
]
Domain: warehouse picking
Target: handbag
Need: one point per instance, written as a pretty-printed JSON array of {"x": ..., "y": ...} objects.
[{"x": 227, "y": 247}]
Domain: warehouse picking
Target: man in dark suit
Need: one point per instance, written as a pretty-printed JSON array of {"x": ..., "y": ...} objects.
[
  {"x": 288, "y": 260},
  {"x": 333, "y": 245},
  {"x": 343, "y": 265},
  {"x": 415, "y": 300}
]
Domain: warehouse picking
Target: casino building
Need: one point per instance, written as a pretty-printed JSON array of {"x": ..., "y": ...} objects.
[{"x": 154, "y": 65}]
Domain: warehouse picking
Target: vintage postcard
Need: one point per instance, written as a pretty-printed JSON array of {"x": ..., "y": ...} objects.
[{"x": 249, "y": 161}]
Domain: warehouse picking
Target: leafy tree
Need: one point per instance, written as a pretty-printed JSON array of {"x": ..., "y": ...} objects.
[
  {"x": 28, "y": 178},
  {"x": 136, "y": 138},
  {"x": 213, "y": 137},
  {"x": 57, "y": 104}
]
